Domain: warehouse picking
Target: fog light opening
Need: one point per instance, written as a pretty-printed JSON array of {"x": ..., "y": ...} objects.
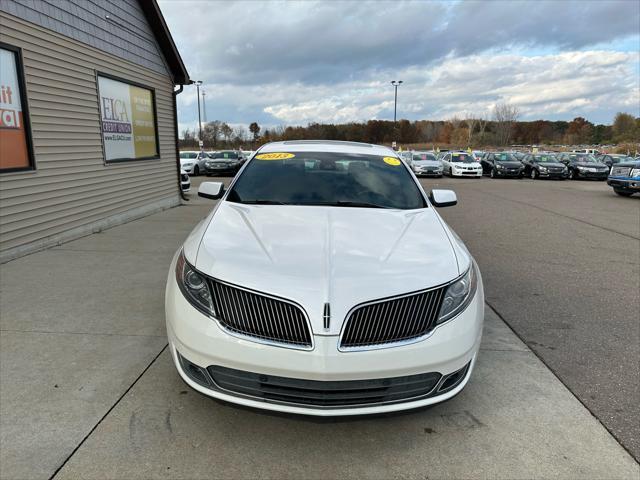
[
  {"x": 453, "y": 379},
  {"x": 194, "y": 372}
]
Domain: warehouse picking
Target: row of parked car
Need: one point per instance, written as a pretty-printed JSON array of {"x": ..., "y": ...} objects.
[
  {"x": 535, "y": 165},
  {"x": 220, "y": 162}
]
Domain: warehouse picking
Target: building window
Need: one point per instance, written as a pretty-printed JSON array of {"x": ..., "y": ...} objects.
[
  {"x": 16, "y": 150},
  {"x": 127, "y": 120}
]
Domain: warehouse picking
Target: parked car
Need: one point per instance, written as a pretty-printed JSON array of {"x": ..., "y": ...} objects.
[
  {"x": 425, "y": 164},
  {"x": 310, "y": 288},
  {"x": 584, "y": 165},
  {"x": 461, "y": 164},
  {"x": 625, "y": 178},
  {"x": 224, "y": 162},
  {"x": 406, "y": 156},
  {"x": 544, "y": 165},
  {"x": 478, "y": 154},
  {"x": 501, "y": 164},
  {"x": 185, "y": 181},
  {"x": 192, "y": 162},
  {"x": 610, "y": 159}
]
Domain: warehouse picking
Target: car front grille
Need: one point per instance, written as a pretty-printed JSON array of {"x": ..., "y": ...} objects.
[
  {"x": 620, "y": 171},
  {"x": 394, "y": 320},
  {"x": 260, "y": 316},
  {"x": 342, "y": 393}
]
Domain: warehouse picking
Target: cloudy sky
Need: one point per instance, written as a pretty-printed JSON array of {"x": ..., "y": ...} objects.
[{"x": 291, "y": 63}]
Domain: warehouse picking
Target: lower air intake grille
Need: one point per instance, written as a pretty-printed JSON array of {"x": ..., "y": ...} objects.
[
  {"x": 324, "y": 394},
  {"x": 260, "y": 316},
  {"x": 394, "y": 320}
]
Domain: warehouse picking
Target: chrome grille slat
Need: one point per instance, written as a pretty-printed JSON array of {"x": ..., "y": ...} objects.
[
  {"x": 392, "y": 320},
  {"x": 260, "y": 316}
]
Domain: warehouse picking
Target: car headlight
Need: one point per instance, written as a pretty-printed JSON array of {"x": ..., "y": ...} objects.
[
  {"x": 499, "y": 167},
  {"x": 543, "y": 169},
  {"x": 635, "y": 172},
  {"x": 458, "y": 295},
  {"x": 194, "y": 286}
]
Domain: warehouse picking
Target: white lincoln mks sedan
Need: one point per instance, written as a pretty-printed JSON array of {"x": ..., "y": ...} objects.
[{"x": 324, "y": 282}]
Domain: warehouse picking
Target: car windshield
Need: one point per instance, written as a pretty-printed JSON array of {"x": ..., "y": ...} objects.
[
  {"x": 184, "y": 155},
  {"x": 505, "y": 157},
  {"x": 621, "y": 158},
  {"x": 462, "y": 157},
  {"x": 583, "y": 158},
  {"x": 327, "y": 178},
  {"x": 423, "y": 156},
  {"x": 545, "y": 158},
  {"x": 229, "y": 155}
]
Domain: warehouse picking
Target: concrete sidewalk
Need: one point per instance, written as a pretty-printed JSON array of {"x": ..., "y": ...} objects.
[{"x": 88, "y": 390}]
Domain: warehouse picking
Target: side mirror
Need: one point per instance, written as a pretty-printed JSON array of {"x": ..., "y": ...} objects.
[
  {"x": 211, "y": 190},
  {"x": 443, "y": 198}
]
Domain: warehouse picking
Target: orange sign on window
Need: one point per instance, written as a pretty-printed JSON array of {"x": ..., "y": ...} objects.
[{"x": 14, "y": 152}]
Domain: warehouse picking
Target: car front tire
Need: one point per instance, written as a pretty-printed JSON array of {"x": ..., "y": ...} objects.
[
  {"x": 572, "y": 174},
  {"x": 534, "y": 174},
  {"x": 492, "y": 173},
  {"x": 196, "y": 171}
]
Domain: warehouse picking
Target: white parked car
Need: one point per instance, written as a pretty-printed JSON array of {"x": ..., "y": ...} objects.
[
  {"x": 425, "y": 163},
  {"x": 192, "y": 162},
  {"x": 185, "y": 181},
  {"x": 324, "y": 282},
  {"x": 461, "y": 164}
]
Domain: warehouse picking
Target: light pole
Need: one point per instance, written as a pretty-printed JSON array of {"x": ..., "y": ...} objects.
[
  {"x": 395, "y": 84},
  {"x": 198, "y": 83}
]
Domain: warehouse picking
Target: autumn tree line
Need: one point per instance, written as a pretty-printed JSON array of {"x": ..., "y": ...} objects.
[{"x": 503, "y": 128}]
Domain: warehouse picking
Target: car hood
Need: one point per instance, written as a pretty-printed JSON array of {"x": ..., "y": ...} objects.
[
  {"x": 510, "y": 164},
  {"x": 466, "y": 164},
  {"x": 344, "y": 256},
  {"x": 188, "y": 160},
  {"x": 426, "y": 163},
  {"x": 551, "y": 164},
  {"x": 591, "y": 165},
  {"x": 222, "y": 160}
]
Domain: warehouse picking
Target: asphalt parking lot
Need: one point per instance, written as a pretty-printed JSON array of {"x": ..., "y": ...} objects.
[
  {"x": 561, "y": 265},
  {"x": 88, "y": 388}
]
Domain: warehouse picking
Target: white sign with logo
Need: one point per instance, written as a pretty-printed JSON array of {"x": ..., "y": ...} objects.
[{"x": 128, "y": 120}]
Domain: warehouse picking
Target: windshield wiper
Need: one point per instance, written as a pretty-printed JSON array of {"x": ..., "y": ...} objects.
[
  {"x": 346, "y": 203},
  {"x": 263, "y": 202}
]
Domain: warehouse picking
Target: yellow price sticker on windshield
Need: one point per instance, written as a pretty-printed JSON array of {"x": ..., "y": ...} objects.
[
  {"x": 275, "y": 156},
  {"x": 391, "y": 161}
]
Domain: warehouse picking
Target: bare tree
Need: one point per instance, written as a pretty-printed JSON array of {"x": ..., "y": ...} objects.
[
  {"x": 471, "y": 121},
  {"x": 483, "y": 120},
  {"x": 505, "y": 116}
]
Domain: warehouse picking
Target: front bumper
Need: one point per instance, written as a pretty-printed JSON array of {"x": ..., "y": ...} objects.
[
  {"x": 466, "y": 173},
  {"x": 200, "y": 340},
  {"x": 628, "y": 183},
  {"x": 508, "y": 173},
  {"x": 563, "y": 174},
  {"x": 221, "y": 170},
  {"x": 428, "y": 173},
  {"x": 596, "y": 175}
]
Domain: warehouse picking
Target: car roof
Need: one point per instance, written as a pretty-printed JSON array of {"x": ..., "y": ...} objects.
[{"x": 327, "y": 146}]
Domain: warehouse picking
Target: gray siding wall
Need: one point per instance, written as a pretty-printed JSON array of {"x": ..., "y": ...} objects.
[
  {"x": 115, "y": 26},
  {"x": 72, "y": 190}
]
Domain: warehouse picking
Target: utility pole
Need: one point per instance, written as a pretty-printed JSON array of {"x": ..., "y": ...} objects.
[{"x": 198, "y": 83}]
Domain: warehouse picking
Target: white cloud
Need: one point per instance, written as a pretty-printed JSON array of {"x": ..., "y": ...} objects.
[{"x": 299, "y": 62}]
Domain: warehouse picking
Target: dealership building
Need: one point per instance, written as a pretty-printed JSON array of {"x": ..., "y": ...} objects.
[{"x": 88, "y": 126}]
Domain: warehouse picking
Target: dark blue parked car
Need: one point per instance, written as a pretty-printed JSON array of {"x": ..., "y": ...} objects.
[{"x": 625, "y": 178}]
